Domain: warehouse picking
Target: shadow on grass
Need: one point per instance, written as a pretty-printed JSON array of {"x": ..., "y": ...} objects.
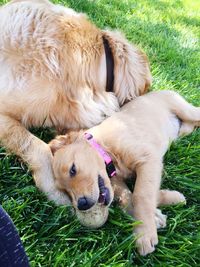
[{"x": 190, "y": 21}]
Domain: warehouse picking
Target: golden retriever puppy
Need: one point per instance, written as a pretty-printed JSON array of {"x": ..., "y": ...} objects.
[
  {"x": 59, "y": 70},
  {"x": 132, "y": 140}
]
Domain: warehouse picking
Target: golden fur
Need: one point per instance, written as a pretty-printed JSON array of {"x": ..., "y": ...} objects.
[
  {"x": 136, "y": 138},
  {"x": 53, "y": 73}
]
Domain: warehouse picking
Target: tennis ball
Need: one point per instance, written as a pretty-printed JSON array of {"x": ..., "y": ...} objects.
[{"x": 93, "y": 218}]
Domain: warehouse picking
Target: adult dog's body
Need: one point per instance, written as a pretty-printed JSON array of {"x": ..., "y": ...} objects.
[
  {"x": 136, "y": 138},
  {"x": 53, "y": 73}
]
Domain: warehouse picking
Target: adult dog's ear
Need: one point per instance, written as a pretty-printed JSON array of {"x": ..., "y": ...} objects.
[{"x": 63, "y": 140}]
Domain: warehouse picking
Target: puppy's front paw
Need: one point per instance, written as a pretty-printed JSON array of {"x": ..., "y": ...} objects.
[
  {"x": 160, "y": 219},
  {"x": 146, "y": 243}
]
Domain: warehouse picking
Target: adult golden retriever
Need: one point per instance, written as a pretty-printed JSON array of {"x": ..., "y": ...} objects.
[
  {"x": 136, "y": 139},
  {"x": 56, "y": 69}
]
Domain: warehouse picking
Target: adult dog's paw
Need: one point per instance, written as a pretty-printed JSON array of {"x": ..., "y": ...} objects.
[
  {"x": 46, "y": 183},
  {"x": 59, "y": 197}
]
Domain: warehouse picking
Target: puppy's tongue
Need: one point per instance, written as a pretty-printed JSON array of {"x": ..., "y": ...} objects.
[{"x": 104, "y": 196}]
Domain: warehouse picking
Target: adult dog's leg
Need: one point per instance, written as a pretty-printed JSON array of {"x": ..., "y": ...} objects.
[
  {"x": 145, "y": 197},
  {"x": 33, "y": 151}
]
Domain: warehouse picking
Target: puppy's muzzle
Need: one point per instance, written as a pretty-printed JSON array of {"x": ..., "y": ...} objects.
[{"x": 85, "y": 203}]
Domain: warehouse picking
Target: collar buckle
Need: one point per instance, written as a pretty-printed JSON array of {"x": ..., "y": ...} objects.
[{"x": 110, "y": 168}]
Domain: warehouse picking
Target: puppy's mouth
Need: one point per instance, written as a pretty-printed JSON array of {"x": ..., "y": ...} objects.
[{"x": 104, "y": 193}]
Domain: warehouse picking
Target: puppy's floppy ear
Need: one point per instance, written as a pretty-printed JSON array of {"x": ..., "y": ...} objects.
[
  {"x": 58, "y": 143},
  {"x": 62, "y": 140}
]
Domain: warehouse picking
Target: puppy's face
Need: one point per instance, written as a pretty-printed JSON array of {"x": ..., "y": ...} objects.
[{"x": 80, "y": 171}]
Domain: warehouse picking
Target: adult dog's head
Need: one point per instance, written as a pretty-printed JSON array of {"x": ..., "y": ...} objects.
[
  {"x": 78, "y": 72},
  {"x": 80, "y": 172}
]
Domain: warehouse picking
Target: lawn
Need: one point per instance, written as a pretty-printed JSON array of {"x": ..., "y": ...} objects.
[{"x": 168, "y": 31}]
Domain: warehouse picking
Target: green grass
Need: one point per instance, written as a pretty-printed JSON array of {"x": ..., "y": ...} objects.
[{"x": 168, "y": 31}]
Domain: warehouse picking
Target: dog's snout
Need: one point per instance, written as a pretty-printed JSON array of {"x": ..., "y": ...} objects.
[{"x": 85, "y": 203}]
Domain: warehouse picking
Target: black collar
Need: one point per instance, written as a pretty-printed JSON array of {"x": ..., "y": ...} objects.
[{"x": 109, "y": 66}]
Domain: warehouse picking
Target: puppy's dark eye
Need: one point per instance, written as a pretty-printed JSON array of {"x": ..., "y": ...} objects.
[{"x": 72, "y": 171}]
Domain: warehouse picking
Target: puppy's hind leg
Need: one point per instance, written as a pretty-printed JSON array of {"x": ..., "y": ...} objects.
[
  {"x": 124, "y": 197},
  {"x": 167, "y": 197},
  {"x": 170, "y": 197},
  {"x": 188, "y": 127},
  {"x": 183, "y": 110},
  {"x": 35, "y": 152}
]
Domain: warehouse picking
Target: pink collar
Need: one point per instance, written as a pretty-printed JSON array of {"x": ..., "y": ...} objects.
[{"x": 110, "y": 167}]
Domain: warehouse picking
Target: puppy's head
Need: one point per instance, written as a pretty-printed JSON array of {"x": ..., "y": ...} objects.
[{"x": 80, "y": 171}]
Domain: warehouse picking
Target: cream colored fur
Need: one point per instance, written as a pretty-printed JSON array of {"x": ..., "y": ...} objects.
[
  {"x": 53, "y": 73},
  {"x": 136, "y": 138}
]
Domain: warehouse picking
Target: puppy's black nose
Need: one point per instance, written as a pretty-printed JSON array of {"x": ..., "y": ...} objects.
[{"x": 85, "y": 203}]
